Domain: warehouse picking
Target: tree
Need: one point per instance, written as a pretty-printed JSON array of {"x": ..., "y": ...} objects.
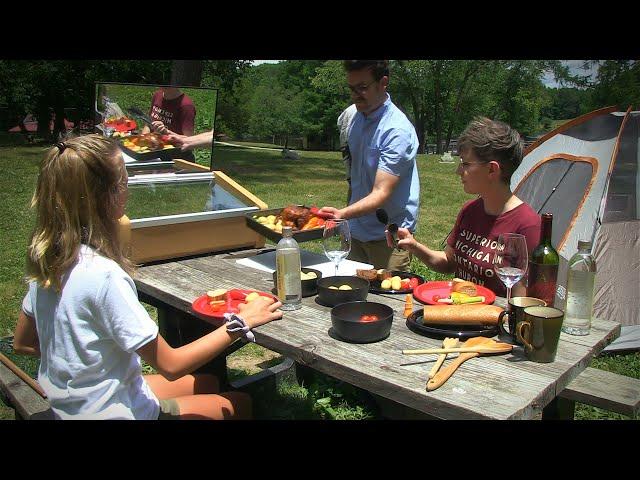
[
  {"x": 50, "y": 87},
  {"x": 617, "y": 83}
]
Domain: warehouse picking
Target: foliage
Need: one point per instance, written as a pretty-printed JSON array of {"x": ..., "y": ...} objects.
[{"x": 617, "y": 83}]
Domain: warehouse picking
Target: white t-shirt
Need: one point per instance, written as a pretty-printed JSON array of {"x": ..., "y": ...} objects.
[
  {"x": 344, "y": 123},
  {"x": 88, "y": 337}
]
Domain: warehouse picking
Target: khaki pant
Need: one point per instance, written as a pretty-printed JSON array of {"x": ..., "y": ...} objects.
[{"x": 380, "y": 255}]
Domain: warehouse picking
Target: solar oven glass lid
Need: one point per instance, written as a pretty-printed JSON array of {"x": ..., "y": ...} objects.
[{"x": 153, "y": 196}]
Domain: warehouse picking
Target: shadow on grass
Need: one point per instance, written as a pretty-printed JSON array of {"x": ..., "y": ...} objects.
[{"x": 316, "y": 397}]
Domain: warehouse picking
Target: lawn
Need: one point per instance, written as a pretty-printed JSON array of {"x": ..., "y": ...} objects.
[{"x": 316, "y": 178}]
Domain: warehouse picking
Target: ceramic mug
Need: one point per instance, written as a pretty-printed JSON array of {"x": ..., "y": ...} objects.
[
  {"x": 515, "y": 314},
  {"x": 539, "y": 332}
]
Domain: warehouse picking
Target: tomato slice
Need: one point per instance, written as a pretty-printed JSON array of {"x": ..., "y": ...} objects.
[
  {"x": 413, "y": 282},
  {"x": 368, "y": 318}
]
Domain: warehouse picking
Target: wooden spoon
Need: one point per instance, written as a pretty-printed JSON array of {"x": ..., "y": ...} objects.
[
  {"x": 446, "y": 343},
  {"x": 443, "y": 375}
]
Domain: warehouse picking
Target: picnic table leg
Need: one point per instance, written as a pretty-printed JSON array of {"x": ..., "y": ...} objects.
[{"x": 559, "y": 409}]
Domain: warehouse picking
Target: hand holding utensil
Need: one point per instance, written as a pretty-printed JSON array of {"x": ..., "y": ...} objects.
[{"x": 392, "y": 228}]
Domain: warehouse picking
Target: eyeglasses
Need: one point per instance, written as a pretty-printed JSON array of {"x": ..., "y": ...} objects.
[
  {"x": 360, "y": 89},
  {"x": 466, "y": 165}
]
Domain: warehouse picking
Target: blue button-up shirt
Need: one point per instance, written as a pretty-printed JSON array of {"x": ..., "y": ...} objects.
[{"x": 384, "y": 140}]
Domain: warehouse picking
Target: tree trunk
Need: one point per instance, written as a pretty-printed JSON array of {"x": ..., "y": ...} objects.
[
  {"x": 43, "y": 116},
  {"x": 437, "y": 112},
  {"x": 186, "y": 72},
  {"x": 59, "y": 128}
]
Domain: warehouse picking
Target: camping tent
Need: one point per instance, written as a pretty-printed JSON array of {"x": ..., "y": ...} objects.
[{"x": 586, "y": 172}]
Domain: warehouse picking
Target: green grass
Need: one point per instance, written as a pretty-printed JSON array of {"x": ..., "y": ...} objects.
[{"x": 316, "y": 178}]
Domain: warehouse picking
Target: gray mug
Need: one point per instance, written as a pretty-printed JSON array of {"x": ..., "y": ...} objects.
[{"x": 515, "y": 314}]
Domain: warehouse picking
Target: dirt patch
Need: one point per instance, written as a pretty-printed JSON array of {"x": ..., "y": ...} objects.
[{"x": 254, "y": 362}]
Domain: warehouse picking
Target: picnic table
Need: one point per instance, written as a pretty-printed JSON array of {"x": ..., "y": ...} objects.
[{"x": 488, "y": 387}]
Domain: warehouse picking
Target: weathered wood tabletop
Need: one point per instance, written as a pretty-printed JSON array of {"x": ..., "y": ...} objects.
[{"x": 487, "y": 387}]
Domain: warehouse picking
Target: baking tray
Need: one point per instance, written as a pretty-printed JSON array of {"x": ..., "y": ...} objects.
[
  {"x": 298, "y": 235},
  {"x": 164, "y": 154}
]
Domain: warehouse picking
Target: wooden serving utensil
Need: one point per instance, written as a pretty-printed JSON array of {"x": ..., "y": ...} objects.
[
  {"x": 482, "y": 345},
  {"x": 446, "y": 343},
  {"x": 22, "y": 375},
  {"x": 443, "y": 375}
]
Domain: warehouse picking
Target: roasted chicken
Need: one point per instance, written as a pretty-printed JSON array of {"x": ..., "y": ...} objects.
[{"x": 293, "y": 216}]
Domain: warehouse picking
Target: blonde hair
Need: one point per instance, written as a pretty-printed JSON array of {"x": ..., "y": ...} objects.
[{"x": 75, "y": 201}]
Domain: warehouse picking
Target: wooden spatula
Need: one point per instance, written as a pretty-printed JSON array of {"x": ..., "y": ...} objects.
[
  {"x": 443, "y": 375},
  {"x": 446, "y": 343}
]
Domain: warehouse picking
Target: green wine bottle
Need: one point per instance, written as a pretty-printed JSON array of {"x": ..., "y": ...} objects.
[{"x": 543, "y": 265}]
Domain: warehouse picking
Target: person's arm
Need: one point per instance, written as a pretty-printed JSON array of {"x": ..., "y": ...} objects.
[
  {"x": 25, "y": 336},
  {"x": 382, "y": 189},
  {"x": 438, "y": 260},
  {"x": 173, "y": 363},
  {"x": 185, "y": 143}
]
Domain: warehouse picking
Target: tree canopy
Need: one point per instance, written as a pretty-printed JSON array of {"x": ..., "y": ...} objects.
[{"x": 305, "y": 97}]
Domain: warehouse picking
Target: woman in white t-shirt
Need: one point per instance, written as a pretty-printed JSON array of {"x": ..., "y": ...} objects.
[{"x": 81, "y": 314}]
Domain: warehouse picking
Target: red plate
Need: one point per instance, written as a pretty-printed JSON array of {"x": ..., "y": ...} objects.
[
  {"x": 201, "y": 304},
  {"x": 424, "y": 293}
]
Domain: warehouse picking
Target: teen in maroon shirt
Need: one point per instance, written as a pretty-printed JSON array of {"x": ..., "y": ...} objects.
[
  {"x": 172, "y": 112},
  {"x": 490, "y": 151}
]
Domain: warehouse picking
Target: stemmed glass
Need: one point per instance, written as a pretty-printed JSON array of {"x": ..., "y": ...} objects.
[
  {"x": 510, "y": 260},
  {"x": 336, "y": 240}
]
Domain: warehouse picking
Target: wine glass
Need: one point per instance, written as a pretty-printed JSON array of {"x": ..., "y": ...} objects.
[
  {"x": 336, "y": 240},
  {"x": 510, "y": 260}
]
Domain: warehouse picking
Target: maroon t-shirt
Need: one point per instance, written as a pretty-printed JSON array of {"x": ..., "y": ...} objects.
[
  {"x": 475, "y": 235},
  {"x": 178, "y": 115}
]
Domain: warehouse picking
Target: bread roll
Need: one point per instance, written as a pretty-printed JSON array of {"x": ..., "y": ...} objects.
[
  {"x": 217, "y": 294},
  {"x": 383, "y": 274},
  {"x": 367, "y": 274},
  {"x": 468, "y": 288},
  {"x": 461, "y": 314}
]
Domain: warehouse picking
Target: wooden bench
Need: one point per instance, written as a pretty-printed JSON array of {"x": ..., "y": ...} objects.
[
  {"x": 598, "y": 388},
  {"x": 606, "y": 390},
  {"x": 25, "y": 401}
]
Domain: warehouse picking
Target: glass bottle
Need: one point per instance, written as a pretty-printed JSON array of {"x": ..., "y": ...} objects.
[
  {"x": 288, "y": 281},
  {"x": 580, "y": 288},
  {"x": 543, "y": 265}
]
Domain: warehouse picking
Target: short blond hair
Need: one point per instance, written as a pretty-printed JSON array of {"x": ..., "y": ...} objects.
[{"x": 75, "y": 203}]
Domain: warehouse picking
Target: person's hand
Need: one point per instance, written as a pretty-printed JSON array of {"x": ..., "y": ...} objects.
[
  {"x": 179, "y": 141},
  {"x": 406, "y": 241},
  {"x": 334, "y": 212},
  {"x": 158, "y": 126},
  {"x": 260, "y": 311}
]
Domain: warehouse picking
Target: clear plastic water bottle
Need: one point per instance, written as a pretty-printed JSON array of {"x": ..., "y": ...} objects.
[
  {"x": 289, "y": 283},
  {"x": 580, "y": 288}
]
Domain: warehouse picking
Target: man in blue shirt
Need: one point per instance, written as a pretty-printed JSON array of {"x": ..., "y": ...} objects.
[{"x": 384, "y": 174}]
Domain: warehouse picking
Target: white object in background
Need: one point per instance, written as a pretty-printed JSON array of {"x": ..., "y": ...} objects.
[
  {"x": 267, "y": 263},
  {"x": 446, "y": 158}
]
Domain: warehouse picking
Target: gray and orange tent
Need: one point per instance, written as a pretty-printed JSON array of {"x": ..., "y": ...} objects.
[{"x": 586, "y": 172}]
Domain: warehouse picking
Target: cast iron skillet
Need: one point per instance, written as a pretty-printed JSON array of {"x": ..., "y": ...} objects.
[
  {"x": 416, "y": 324},
  {"x": 330, "y": 297},
  {"x": 347, "y": 325}
]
